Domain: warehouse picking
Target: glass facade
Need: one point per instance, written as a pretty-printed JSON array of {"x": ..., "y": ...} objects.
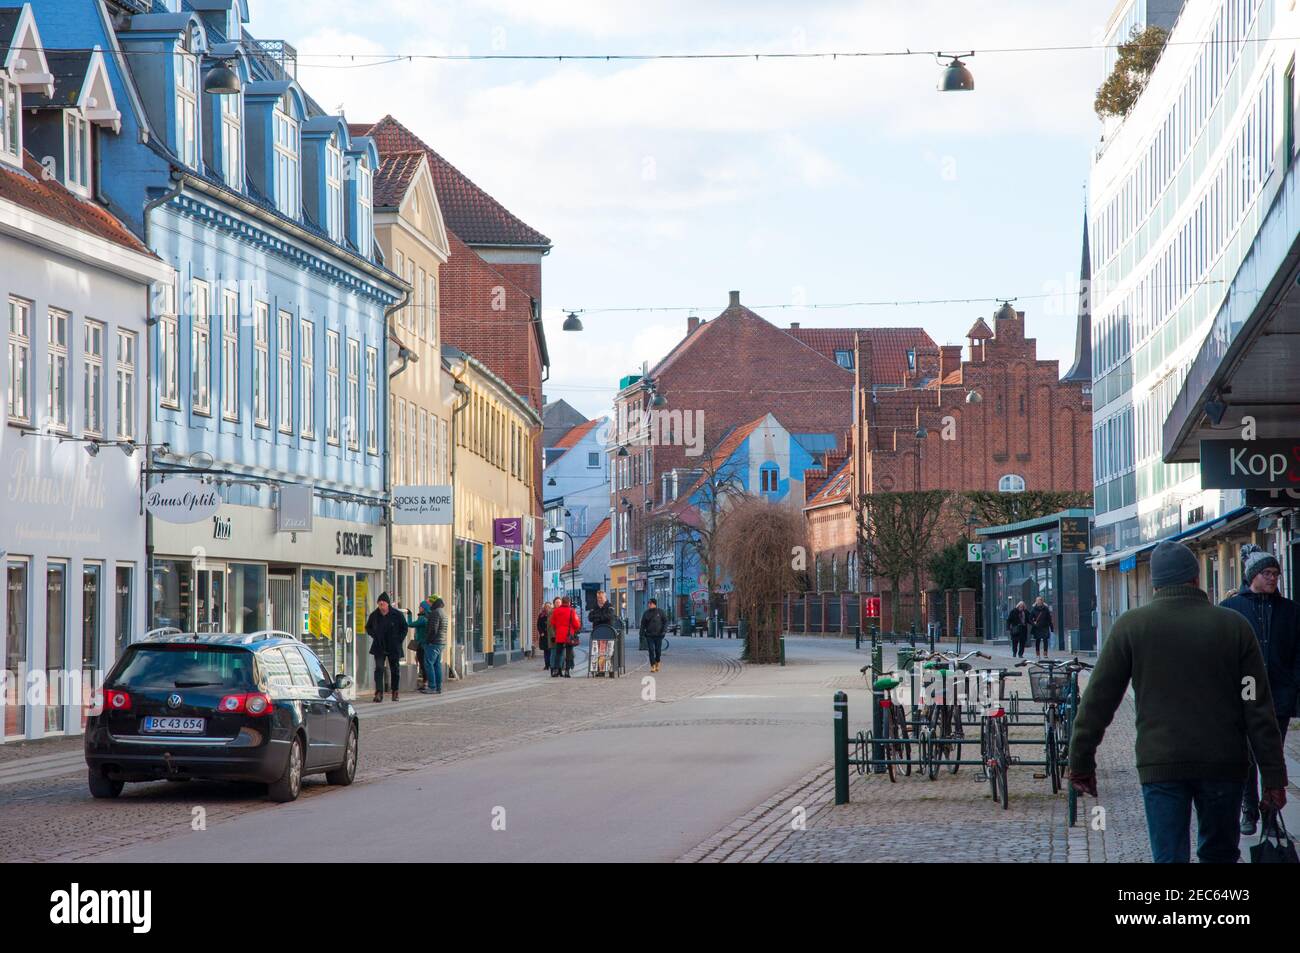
[
  {"x": 246, "y": 585},
  {"x": 15, "y": 647},
  {"x": 56, "y": 637},
  {"x": 469, "y": 597}
]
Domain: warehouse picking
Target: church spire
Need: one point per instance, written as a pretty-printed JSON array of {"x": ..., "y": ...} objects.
[{"x": 1082, "y": 369}]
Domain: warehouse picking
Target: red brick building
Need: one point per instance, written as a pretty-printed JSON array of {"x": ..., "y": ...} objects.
[
  {"x": 489, "y": 298},
  {"x": 1000, "y": 420}
]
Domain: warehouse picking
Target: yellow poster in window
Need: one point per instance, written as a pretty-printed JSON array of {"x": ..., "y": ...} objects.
[
  {"x": 363, "y": 603},
  {"x": 313, "y": 609},
  {"x": 326, "y": 610}
]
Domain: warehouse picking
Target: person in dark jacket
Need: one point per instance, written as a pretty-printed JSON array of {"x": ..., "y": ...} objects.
[
  {"x": 603, "y": 613},
  {"x": 435, "y": 638},
  {"x": 653, "y": 624},
  {"x": 1018, "y": 629},
  {"x": 387, "y": 631},
  {"x": 1276, "y": 623},
  {"x": 1190, "y": 663},
  {"x": 1040, "y": 625},
  {"x": 419, "y": 626},
  {"x": 543, "y": 636}
]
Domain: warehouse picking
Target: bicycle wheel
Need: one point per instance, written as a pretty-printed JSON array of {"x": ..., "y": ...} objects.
[
  {"x": 887, "y": 747},
  {"x": 1053, "y": 765},
  {"x": 902, "y": 744},
  {"x": 957, "y": 732},
  {"x": 1003, "y": 762}
]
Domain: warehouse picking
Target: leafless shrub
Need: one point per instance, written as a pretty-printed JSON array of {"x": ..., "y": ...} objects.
[{"x": 756, "y": 548}]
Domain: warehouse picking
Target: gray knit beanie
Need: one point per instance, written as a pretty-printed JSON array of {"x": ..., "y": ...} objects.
[
  {"x": 1173, "y": 564},
  {"x": 1257, "y": 562}
]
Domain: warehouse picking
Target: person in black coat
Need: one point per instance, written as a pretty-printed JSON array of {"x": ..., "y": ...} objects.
[
  {"x": 1276, "y": 621},
  {"x": 653, "y": 624},
  {"x": 603, "y": 613},
  {"x": 387, "y": 630},
  {"x": 1040, "y": 624},
  {"x": 1018, "y": 629}
]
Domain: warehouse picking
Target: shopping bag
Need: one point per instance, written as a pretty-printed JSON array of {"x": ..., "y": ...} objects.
[{"x": 1275, "y": 844}]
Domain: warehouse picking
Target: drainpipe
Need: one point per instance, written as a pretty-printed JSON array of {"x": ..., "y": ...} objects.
[
  {"x": 463, "y": 390},
  {"x": 150, "y": 321},
  {"x": 406, "y": 358}
]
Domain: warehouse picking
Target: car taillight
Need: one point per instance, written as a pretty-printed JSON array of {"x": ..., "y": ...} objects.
[
  {"x": 253, "y": 703},
  {"x": 117, "y": 701}
]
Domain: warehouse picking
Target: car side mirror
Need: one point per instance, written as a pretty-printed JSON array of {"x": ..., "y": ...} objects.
[{"x": 342, "y": 682}]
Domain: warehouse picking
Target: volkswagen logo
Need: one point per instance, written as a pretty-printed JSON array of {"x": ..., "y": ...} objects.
[{"x": 174, "y": 700}]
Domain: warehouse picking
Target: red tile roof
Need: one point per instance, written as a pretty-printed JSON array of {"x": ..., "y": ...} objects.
[
  {"x": 980, "y": 330},
  {"x": 588, "y": 544},
  {"x": 468, "y": 210},
  {"x": 397, "y": 170},
  {"x": 836, "y": 488},
  {"x": 574, "y": 434},
  {"x": 889, "y": 347},
  {"x": 34, "y": 192}
]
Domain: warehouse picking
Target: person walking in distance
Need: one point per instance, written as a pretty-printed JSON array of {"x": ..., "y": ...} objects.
[
  {"x": 435, "y": 638},
  {"x": 602, "y": 613},
  {"x": 566, "y": 624},
  {"x": 1201, "y": 695},
  {"x": 387, "y": 631},
  {"x": 1276, "y": 623},
  {"x": 1018, "y": 629},
  {"x": 652, "y": 626},
  {"x": 1040, "y": 624},
  {"x": 543, "y": 636}
]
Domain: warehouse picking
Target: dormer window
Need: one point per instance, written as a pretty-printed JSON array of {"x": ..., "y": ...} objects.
[
  {"x": 232, "y": 140},
  {"x": 288, "y": 180},
  {"x": 911, "y": 360},
  {"x": 365, "y": 208},
  {"x": 334, "y": 190},
  {"x": 77, "y": 145},
  {"x": 187, "y": 104},
  {"x": 11, "y": 125}
]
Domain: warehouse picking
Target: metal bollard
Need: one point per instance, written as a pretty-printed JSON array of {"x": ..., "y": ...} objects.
[
  {"x": 841, "y": 748},
  {"x": 783, "y": 650}
]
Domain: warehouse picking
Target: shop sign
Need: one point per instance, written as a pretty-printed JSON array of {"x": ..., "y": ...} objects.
[
  {"x": 1287, "y": 497},
  {"x": 221, "y": 527},
  {"x": 182, "y": 500},
  {"x": 354, "y": 544},
  {"x": 1250, "y": 464},
  {"x": 508, "y": 531},
  {"x": 1074, "y": 534},
  {"x": 293, "y": 512},
  {"x": 1042, "y": 544},
  {"x": 422, "y": 505},
  {"x": 974, "y": 552}
]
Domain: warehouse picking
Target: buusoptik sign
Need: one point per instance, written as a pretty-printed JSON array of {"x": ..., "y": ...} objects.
[
  {"x": 182, "y": 500},
  {"x": 1250, "y": 464}
]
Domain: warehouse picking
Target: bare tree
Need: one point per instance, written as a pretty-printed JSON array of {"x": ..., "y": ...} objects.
[
  {"x": 756, "y": 546},
  {"x": 897, "y": 537}
]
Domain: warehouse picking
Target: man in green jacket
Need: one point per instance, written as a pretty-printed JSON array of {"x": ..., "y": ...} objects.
[{"x": 1201, "y": 693}]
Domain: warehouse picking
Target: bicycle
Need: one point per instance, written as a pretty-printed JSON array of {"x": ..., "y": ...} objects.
[
  {"x": 895, "y": 744},
  {"x": 1055, "y": 684},
  {"x": 944, "y": 719},
  {"x": 995, "y": 752}
]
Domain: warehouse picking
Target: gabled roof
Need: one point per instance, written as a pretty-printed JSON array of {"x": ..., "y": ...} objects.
[
  {"x": 980, "y": 331},
  {"x": 729, "y": 445},
  {"x": 474, "y": 215},
  {"x": 69, "y": 68},
  {"x": 397, "y": 170},
  {"x": 32, "y": 190},
  {"x": 575, "y": 434},
  {"x": 836, "y": 487},
  {"x": 588, "y": 546}
]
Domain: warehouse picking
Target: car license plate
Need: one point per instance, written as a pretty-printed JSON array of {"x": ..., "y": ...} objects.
[{"x": 181, "y": 726}]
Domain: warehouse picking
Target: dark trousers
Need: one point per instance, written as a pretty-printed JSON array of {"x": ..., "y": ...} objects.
[
  {"x": 394, "y": 666},
  {"x": 546, "y": 652},
  {"x": 1169, "y": 820},
  {"x": 1043, "y": 640},
  {"x": 1250, "y": 796},
  {"x": 654, "y": 646},
  {"x": 419, "y": 658},
  {"x": 1018, "y": 640},
  {"x": 562, "y": 657}
]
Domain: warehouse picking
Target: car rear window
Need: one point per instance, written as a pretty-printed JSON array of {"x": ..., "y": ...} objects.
[{"x": 162, "y": 666}]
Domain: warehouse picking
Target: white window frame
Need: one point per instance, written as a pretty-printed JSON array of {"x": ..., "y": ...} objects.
[
  {"x": 19, "y": 398},
  {"x": 261, "y": 364},
  {"x": 400, "y": 455},
  {"x": 11, "y": 123},
  {"x": 56, "y": 379},
  {"x": 232, "y": 140},
  {"x": 94, "y": 334},
  {"x": 354, "y": 393},
  {"x": 372, "y": 401},
  {"x": 332, "y": 414},
  {"x": 187, "y": 106},
  {"x": 423, "y": 452},
  {"x": 1011, "y": 483},
  {"x": 413, "y": 463},
  {"x": 420, "y": 303},
  {"x": 230, "y": 356},
  {"x": 125, "y": 378},
  {"x": 200, "y": 349},
  {"x": 365, "y": 208},
  {"x": 168, "y": 351},
  {"x": 307, "y": 360},
  {"x": 284, "y": 372},
  {"x": 431, "y": 304},
  {"x": 287, "y": 153},
  {"x": 77, "y": 158},
  {"x": 334, "y": 190}
]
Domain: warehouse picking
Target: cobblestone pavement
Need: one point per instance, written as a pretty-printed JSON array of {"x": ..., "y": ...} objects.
[
  {"x": 54, "y": 818},
  {"x": 949, "y": 819}
]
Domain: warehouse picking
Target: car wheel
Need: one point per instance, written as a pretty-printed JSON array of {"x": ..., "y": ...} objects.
[
  {"x": 347, "y": 771},
  {"x": 101, "y": 786},
  {"x": 288, "y": 786}
]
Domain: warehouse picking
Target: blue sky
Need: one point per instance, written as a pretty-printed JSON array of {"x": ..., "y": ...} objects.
[{"x": 669, "y": 183}]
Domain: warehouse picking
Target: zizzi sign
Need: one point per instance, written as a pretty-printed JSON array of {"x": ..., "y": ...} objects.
[
  {"x": 1250, "y": 464},
  {"x": 182, "y": 500},
  {"x": 417, "y": 505}
]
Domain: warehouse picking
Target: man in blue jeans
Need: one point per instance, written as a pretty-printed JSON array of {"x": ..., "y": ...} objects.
[
  {"x": 435, "y": 637},
  {"x": 1201, "y": 693}
]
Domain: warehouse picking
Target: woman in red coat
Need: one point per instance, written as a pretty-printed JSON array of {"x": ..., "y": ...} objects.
[{"x": 566, "y": 624}]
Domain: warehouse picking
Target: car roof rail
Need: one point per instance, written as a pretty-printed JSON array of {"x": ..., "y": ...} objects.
[
  {"x": 162, "y": 632},
  {"x": 262, "y": 635}
]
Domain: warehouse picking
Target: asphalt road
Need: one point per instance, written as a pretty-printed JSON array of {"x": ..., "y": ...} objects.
[{"x": 645, "y": 784}]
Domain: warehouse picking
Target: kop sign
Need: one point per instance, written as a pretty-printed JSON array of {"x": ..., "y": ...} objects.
[
  {"x": 1250, "y": 464},
  {"x": 182, "y": 500}
]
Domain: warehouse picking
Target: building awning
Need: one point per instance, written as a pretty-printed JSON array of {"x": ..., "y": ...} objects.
[
  {"x": 1127, "y": 558},
  {"x": 1247, "y": 359},
  {"x": 1209, "y": 527}
]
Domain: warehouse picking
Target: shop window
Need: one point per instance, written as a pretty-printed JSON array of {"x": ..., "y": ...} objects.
[
  {"x": 172, "y": 596},
  {"x": 56, "y": 636},
  {"x": 16, "y": 583},
  {"x": 123, "y": 608},
  {"x": 91, "y": 643},
  {"x": 246, "y": 592}
]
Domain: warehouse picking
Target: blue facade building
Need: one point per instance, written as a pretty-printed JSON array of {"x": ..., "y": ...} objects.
[{"x": 268, "y": 357}]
